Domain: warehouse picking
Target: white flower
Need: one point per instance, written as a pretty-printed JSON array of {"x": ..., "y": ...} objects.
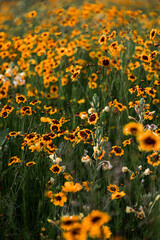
[
  {"x": 125, "y": 169},
  {"x": 86, "y": 159},
  {"x": 84, "y": 116},
  {"x": 140, "y": 167},
  {"x": 91, "y": 110},
  {"x": 129, "y": 209},
  {"x": 147, "y": 171},
  {"x": 106, "y": 109}
]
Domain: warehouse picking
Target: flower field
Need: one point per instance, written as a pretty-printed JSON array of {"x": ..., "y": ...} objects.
[{"x": 79, "y": 120}]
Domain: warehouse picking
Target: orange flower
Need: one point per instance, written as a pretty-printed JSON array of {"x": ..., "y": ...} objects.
[
  {"x": 68, "y": 221},
  {"x": 93, "y": 118},
  {"x": 55, "y": 168},
  {"x": 133, "y": 128},
  {"x": 30, "y": 163},
  {"x": 14, "y": 159},
  {"x": 149, "y": 141},
  {"x": 113, "y": 188},
  {"x": 118, "y": 151},
  {"x": 95, "y": 219},
  {"x": 59, "y": 199},
  {"x": 77, "y": 232},
  {"x": 71, "y": 187},
  {"x": 32, "y": 14},
  {"x": 118, "y": 195},
  {"x": 153, "y": 34}
]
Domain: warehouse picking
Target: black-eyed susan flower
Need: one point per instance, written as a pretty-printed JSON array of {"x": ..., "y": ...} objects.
[
  {"x": 151, "y": 91},
  {"x": 146, "y": 58},
  {"x": 55, "y": 168},
  {"x": 28, "y": 164},
  {"x": 54, "y": 89},
  {"x": 55, "y": 127},
  {"x": 154, "y": 159},
  {"x": 133, "y": 128},
  {"x": 83, "y": 135},
  {"x": 120, "y": 106},
  {"x": 155, "y": 101},
  {"x": 4, "y": 114},
  {"x": 67, "y": 176},
  {"x": 26, "y": 110},
  {"x": 59, "y": 199},
  {"x": 104, "y": 61},
  {"x": 51, "y": 148},
  {"x": 20, "y": 98},
  {"x": 95, "y": 219},
  {"x": 53, "y": 111},
  {"x": 127, "y": 142},
  {"x": 117, "y": 150},
  {"x": 14, "y": 159},
  {"x": 71, "y": 138},
  {"x": 46, "y": 138},
  {"x": 92, "y": 85},
  {"x": 153, "y": 34},
  {"x": 118, "y": 195},
  {"x": 113, "y": 188},
  {"x": 77, "y": 232},
  {"x": 157, "y": 131},
  {"x": 49, "y": 194},
  {"x": 102, "y": 39},
  {"x": 101, "y": 155},
  {"x": 131, "y": 77},
  {"x": 75, "y": 75},
  {"x": 149, "y": 141},
  {"x": 35, "y": 101},
  {"x": 13, "y": 134},
  {"x": 31, "y": 14},
  {"x": 68, "y": 221},
  {"x": 93, "y": 118}
]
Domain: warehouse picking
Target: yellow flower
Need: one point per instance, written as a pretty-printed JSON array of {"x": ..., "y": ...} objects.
[
  {"x": 118, "y": 195},
  {"x": 117, "y": 150},
  {"x": 30, "y": 163},
  {"x": 71, "y": 187},
  {"x": 59, "y": 199},
  {"x": 133, "y": 128},
  {"x": 55, "y": 168},
  {"x": 68, "y": 221},
  {"x": 93, "y": 118},
  {"x": 95, "y": 219},
  {"x": 154, "y": 159},
  {"x": 149, "y": 141},
  {"x": 113, "y": 188},
  {"x": 77, "y": 232},
  {"x": 32, "y": 14}
]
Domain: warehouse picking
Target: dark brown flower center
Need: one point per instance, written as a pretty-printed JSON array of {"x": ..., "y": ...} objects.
[
  {"x": 56, "y": 169},
  {"x": 105, "y": 62},
  {"x": 149, "y": 141},
  {"x": 76, "y": 231},
  {"x": 117, "y": 149},
  {"x": 95, "y": 219},
  {"x": 58, "y": 198}
]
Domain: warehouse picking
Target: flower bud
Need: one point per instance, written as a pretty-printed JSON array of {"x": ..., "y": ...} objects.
[
  {"x": 147, "y": 171},
  {"x": 125, "y": 169},
  {"x": 129, "y": 209},
  {"x": 157, "y": 198}
]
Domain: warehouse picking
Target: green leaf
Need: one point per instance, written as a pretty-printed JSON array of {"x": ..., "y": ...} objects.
[{"x": 3, "y": 134}]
